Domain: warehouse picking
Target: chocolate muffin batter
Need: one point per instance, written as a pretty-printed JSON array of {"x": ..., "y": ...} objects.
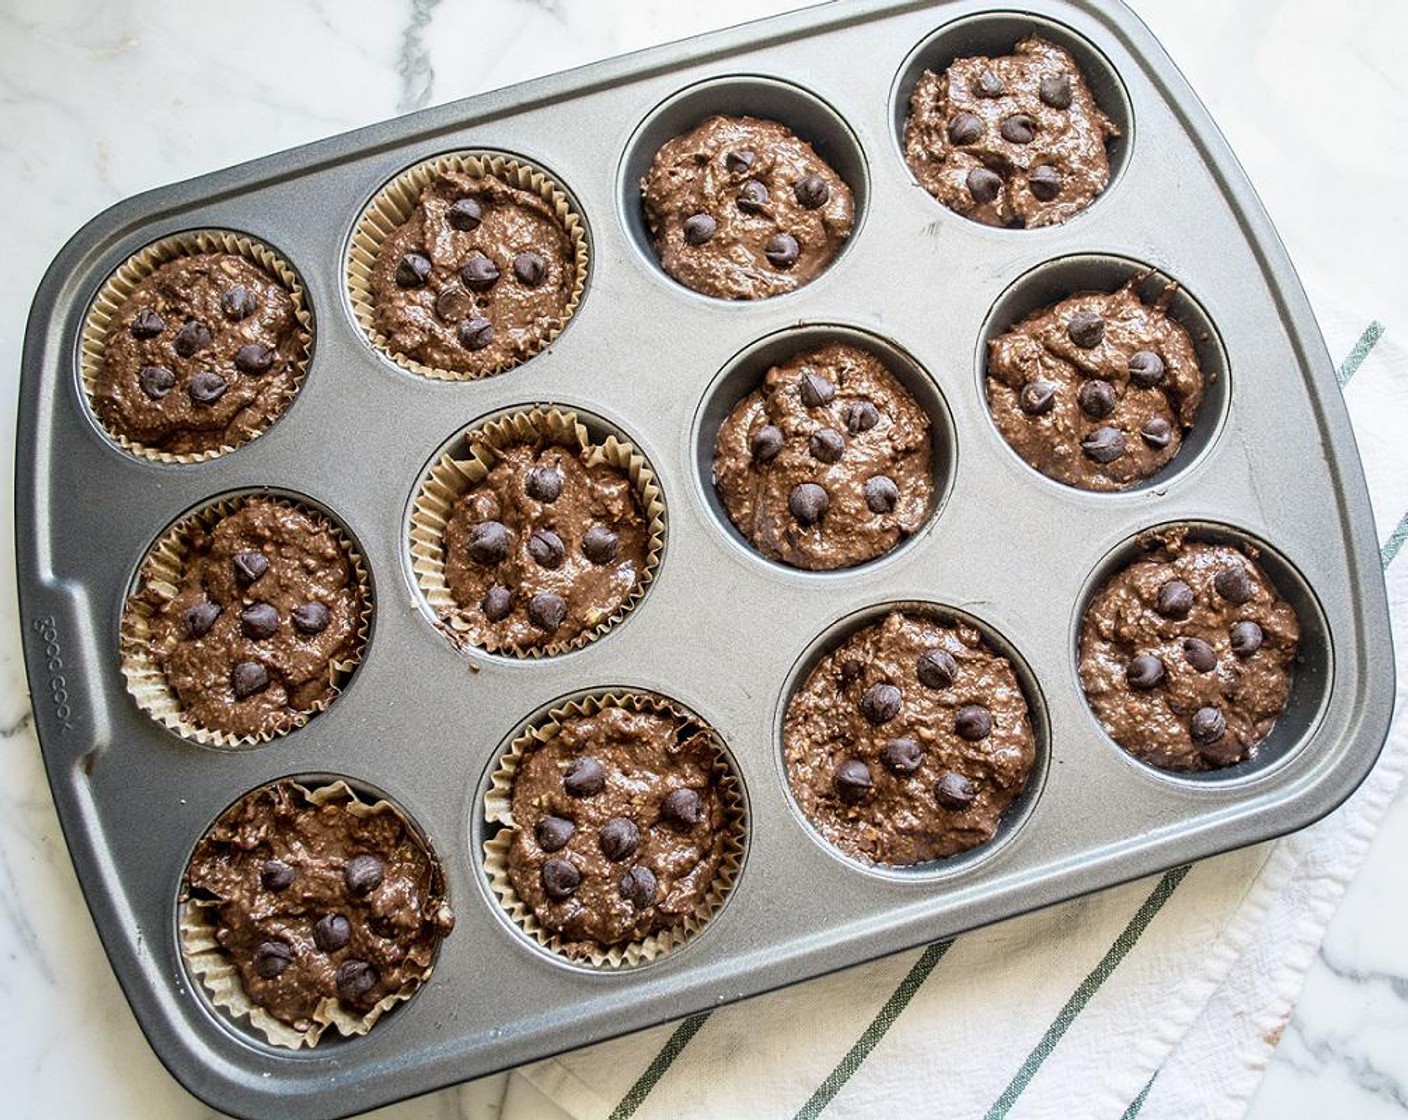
[
  {"x": 312, "y": 903},
  {"x": 1013, "y": 141},
  {"x": 620, "y": 827},
  {"x": 268, "y": 602},
  {"x": 828, "y": 463},
  {"x": 1097, "y": 390},
  {"x": 477, "y": 279},
  {"x": 550, "y": 543},
  {"x": 1186, "y": 655},
  {"x": 908, "y": 741},
  {"x": 202, "y": 354},
  {"x": 740, "y": 208}
]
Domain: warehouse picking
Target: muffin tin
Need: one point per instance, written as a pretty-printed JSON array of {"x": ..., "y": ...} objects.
[{"x": 720, "y": 631}]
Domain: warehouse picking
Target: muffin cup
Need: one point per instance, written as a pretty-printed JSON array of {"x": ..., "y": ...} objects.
[
  {"x": 137, "y": 268},
  {"x": 450, "y": 478},
  {"x": 498, "y": 811},
  {"x": 205, "y": 958},
  {"x": 392, "y": 207},
  {"x": 158, "y": 582}
]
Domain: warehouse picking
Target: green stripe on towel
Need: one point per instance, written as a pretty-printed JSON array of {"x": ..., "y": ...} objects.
[{"x": 656, "y": 1070}]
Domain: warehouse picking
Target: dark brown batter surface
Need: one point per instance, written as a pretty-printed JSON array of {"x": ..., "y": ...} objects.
[
  {"x": 202, "y": 354},
  {"x": 251, "y": 655},
  {"x": 313, "y": 903},
  {"x": 908, "y": 742},
  {"x": 835, "y": 419},
  {"x": 544, "y": 547},
  {"x": 1098, "y": 390},
  {"x": 1186, "y": 656},
  {"x": 740, "y": 208},
  {"x": 620, "y": 828},
  {"x": 478, "y": 278},
  {"x": 1011, "y": 141}
]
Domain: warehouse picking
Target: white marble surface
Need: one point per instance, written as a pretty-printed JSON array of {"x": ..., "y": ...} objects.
[{"x": 100, "y": 99}]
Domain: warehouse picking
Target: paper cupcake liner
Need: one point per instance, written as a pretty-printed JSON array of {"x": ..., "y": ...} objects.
[
  {"x": 392, "y": 208},
  {"x": 498, "y": 811},
  {"x": 137, "y": 268},
  {"x": 450, "y": 478},
  {"x": 159, "y": 581},
  {"x": 208, "y": 961}
]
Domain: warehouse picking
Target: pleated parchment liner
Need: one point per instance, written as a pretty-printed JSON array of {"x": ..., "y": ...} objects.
[
  {"x": 498, "y": 812},
  {"x": 137, "y": 268},
  {"x": 159, "y": 581},
  {"x": 204, "y": 957},
  {"x": 450, "y": 478},
  {"x": 392, "y": 208}
]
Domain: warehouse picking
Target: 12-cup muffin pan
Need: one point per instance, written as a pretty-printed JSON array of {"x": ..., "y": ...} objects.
[{"x": 721, "y": 631}]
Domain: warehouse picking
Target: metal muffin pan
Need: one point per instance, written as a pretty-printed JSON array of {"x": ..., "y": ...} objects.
[{"x": 720, "y": 631}]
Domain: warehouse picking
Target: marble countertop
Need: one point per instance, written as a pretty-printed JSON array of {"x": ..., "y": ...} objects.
[{"x": 101, "y": 100}]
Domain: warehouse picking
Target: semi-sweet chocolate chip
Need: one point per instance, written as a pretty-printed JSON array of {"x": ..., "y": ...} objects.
[
  {"x": 852, "y": 781},
  {"x": 618, "y": 839},
  {"x": 973, "y": 722},
  {"x": 1144, "y": 672},
  {"x": 553, "y": 833},
  {"x": 682, "y": 809},
  {"x": 881, "y": 703},
  {"x": 585, "y": 777},
  {"x": 362, "y": 874}
]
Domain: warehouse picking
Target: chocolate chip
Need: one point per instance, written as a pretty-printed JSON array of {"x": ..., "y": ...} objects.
[
  {"x": 465, "y": 214},
  {"x": 254, "y": 358},
  {"x": 682, "y": 809},
  {"x": 1234, "y": 584},
  {"x": 1157, "y": 433},
  {"x": 1199, "y": 654},
  {"x": 584, "y": 777},
  {"x": 488, "y": 543},
  {"x": 1037, "y": 397},
  {"x": 311, "y": 618},
  {"x": 812, "y": 192},
  {"x": 479, "y": 273},
  {"x": 147, "y": 324},
  {"x": 637, "y": 886},
  {"x": 543, "y": 484},
  {"x": 881, "y": 494},
  {"x": 881, "y": 703},
  {"x": 332, "y": 932},
  {"x": 560, "y": 879},
  {"x": 276, "y": 875},
  {"x": 902, "y": 756},
  {"x": 497, "y": 603},
  {"x": 247, "y": 678},
  {"x": 238, "y": 302},
  {"x": 936, "y": 668},
  {"x": 271, "y": 959},
  {"x": 782, "y": 250},
  {"x": 547, "y": 549},
  {"x": 547, "y": 611},
  {"x": 206, "y": 387},
  {"x": 600, "y": 545},
  {"x": 852, "y": 781},
  {"x": 259, "y": 621},
  {"x": 954, "y": 792},
  {"x": 752, "y": 197},
  {"x": 355, "y": 979},
  {"x": 531, "y": 268},
  {"x": 765, "y": 443},
  {"x": 1208, "y": 725},
  {"x": 1104, "y": 445},
  {"x": 1175, "y": 599},
  {"x": 200, "y": 618},
  {"x": 156, "y": 381},
  {"x": 1086, "y": 329},
  {"x": 852, "y": 669},
  {"x": 1246, "y": 638},
  {"x": 1146, "y": 369},
  {"x": 249, "y": 565},
  {"x": 412, "y": 270},
  {"x": 827, "y": 445},
  {"x": 192, "y": 338},
  {"x": 984, "y": 185},
  {"x": 618, "y": 839},
  {"x": 1056, "y": 91},
  {"x": 965, "y": 128},
  {"x": 973, "y": 722},
  {"x": 988, "y": 84},
  {"x": 1045, "y": 182},
  {"x": 739, "y": 162},
  {"x": 808, "y": 503},
  {"x": 453, "y": 304},
  {"x": 363, "y": 874},
  {"x": 476, "y": 333},
  {"x": 1097, "y": 399},
  {"x": 1019, "y": 129},
  {"x": 1144, "y": 672},
  {"x": 861, "y": 417},
  {"x": 552, "y": 833},
  {"x": 699, "y": 229},
  {"x": 815, "y": 390}
]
